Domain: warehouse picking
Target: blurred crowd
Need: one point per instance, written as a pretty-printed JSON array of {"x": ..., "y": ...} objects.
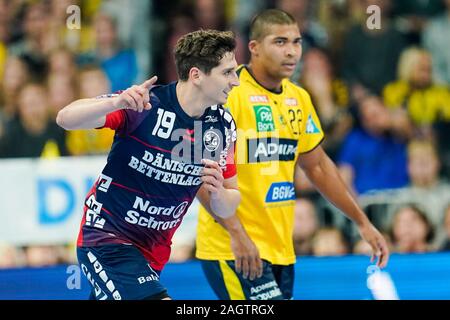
[{"x": 382, "y": 95}]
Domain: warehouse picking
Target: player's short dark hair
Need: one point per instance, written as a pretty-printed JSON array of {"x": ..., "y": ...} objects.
[
  {"x": 259, "y": 24},
  {"x": 202, "y": 49}
]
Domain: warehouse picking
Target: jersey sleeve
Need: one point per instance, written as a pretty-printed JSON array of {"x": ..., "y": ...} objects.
[
  {"x": 115, "y": 120},
  {"x": 310, "y": 128},
  {"x": 125, "y": 121},
  {"x": 230, "y": 169},
  {"x": 231, "y": 133}
]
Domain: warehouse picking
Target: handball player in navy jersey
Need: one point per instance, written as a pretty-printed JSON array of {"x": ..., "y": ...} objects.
[{"x": 172, "y": 143}]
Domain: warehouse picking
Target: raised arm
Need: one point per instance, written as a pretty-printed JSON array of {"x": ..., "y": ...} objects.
[{"x": 91, "y": 113}]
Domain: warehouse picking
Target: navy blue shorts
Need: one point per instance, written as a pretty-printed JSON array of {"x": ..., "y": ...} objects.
[
  {"x": 276, "y": 282},
  {"x": 119, "y": 272}
]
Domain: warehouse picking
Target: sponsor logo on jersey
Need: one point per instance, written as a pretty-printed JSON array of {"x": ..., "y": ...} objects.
[
  {"x": 103, "y": 182},
  {"x": 211, "y": 140},
  {"x": 280, "y": 191},
  {"x": 259, "y": 99},
  {"x": 271, "y": 149},
  {"x": 158, "y": 167},
  {"x": 155, "y": 217},
  {"x": 153, "y": 276},
  {"x": 93, "y": 213},
  {"x": 264, "y": 119},
  {"x": 291, "y": 102},
  {"x": 210, "y": 119},
  {"x": 311, "y": 126}
]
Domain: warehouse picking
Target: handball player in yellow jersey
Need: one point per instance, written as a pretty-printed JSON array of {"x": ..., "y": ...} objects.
[{"x": 251, "y": 255}]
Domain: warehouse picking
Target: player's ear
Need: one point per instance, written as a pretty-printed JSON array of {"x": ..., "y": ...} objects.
[
  {"x": 253, "y": 47},
  {"x": 195, "y": 75}
]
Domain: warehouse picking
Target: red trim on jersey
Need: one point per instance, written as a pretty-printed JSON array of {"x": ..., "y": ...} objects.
[
  {"x": 80, "y": 232},
  {"x": 231, "y": 164},
  {"x": 115, "y": 120},
  {"x": 107, "y": 211}
]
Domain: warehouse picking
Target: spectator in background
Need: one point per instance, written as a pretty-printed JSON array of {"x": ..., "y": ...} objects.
[
  {"x": 242, "y": 13},
  {"x": 446, "y": 245},
  {"x": 61, "y": 91},
  {"x": 62, "y": 61},
  {"x": 5, "y": 22},
  {"x": 191, "y": 15},
  {"x": 416, "y": 98},
  {"x": 130, "y": 16},
  {"x": 61, "y": 80},
  {"x": 306, "y": 224},
  {"x": 4, "y": 33},
  {"x": 423, "y": 102},
  {"x": 329, "y": 241},
  {"x": 369, "y": 57},
  {"x": 42, "y": 255},
  {"x": 33, "y": 133},
  {"x": 426, "y": 188},
  {"x": 209, "y": 14},
  {"x": 362, "y": 247},
  {"x": 33, "y": 46},
  {"x": 411, "y": 16},
  {"x": 373, "y": 157},
  {"x": 119, "y": 64},
  {"x": 14, "y": 77},
  {"x": 337, "y": 17},
  {"x": 330, "y": 96},
  {"x": 179, "y": 25},
  {"x": 93, "y": 83},
  {"x": 10, "y": 256},
  {"x": 217, "y": 14},
  {"x": 435, "y": 40},
  {"x": 411, "y": 231}
]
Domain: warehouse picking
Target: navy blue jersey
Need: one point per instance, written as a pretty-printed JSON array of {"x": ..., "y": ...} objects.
[{"x": 153, "y": 173}]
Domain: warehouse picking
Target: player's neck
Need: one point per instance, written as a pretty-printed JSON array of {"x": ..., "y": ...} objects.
[
  {"x": 188, "y": 97},
  {"x": 263, "y": 78}
]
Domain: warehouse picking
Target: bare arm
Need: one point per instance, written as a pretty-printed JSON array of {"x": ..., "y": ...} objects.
[
  {"x": 91, "y": 113},
  {"x": 220, "y": 195},
  {"x": 246, "y": 254},
  {"x": 323, "y": 173}
]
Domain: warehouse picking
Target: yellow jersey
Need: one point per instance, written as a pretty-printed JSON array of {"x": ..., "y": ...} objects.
[
  {"x": 272, "y": 129},
  {"x": 425, "y": 106},
  {"x": 89, "y": 142}
]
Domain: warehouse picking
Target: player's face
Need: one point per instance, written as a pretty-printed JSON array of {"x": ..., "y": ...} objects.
[
  {"x": 218, "y": 83},
  {"x": 280, "y": 50}
]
